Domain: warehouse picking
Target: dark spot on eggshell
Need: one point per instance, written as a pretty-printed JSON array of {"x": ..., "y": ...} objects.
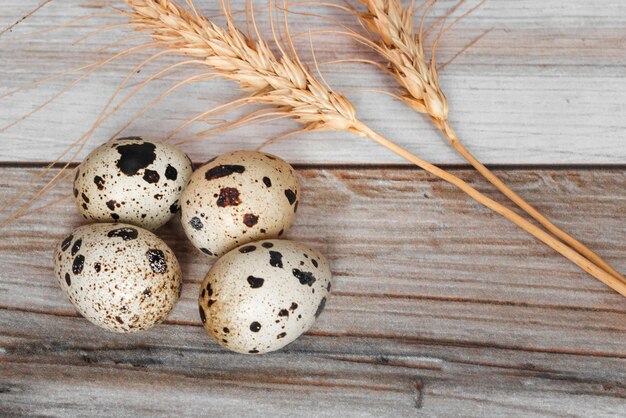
[
  {"x": 202, "y": 314},
  {"x": 126, "y": 234},
  {"x": 111, "y": 204},
  {"x": 118, "y": 319},
  {"x": 99, "y": 181},
  {"x": 156, "y": 258},
  {"x": 211, "y": 302},
  {"x": 68, "y": 279},
  {"x": 97, "y": 267},
  {"x": 255, "y": 282},
  {"x": 76, "y": 246},
  {"x": 174, "y": 207},
  {"x": 223, "y": 170},
  {"x": 84, "y": 205},
  {"x": 267, "y": 181},
  {"x": 206, "y": 251},
  {"x": 67, "y": 242},
  {"x": 293, "y": 306},
  {"x": 305, "y": 277},
  {"x": 255, "y": 327},
  {"x": 77, "y": 265},
  {"x": 147, "y": 292},
  {"x": 75, "y": 191},
  {"x": 247, "y": 249},
  {"x": 283, "y": 312},
  {"x": 229, "y": 196},
  {"x": 253, "y": 351},
  {"x": 115, "y": 216},
  {"x": 209, "y": 289},
  {"x": 267, "y": 245},
  {"x": 226, "y": 330},
  {"x": 134, "y": 157},
  {"x": 196, "y": 223},
  {"x": 291, "y": 196},
  {"x": 171, "y": 173},
  {"x": 250, "y": 219},
  {"x": 314, "y": 262},
  {"x": 85, "y": 198},
  {"x": 320, "y": 307},
  {"x": 281, "y": 335},
  {"x": 158, "y": 196},
  {"x": 276, "y": 259},
  {"x": 151, "y": 176},
  {"x": 281, "y": 232}
]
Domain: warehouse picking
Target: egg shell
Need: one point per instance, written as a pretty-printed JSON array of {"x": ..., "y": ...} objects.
[
  {"x": 239, "y": 197},
  {"x": 118, "y": 276},
  {"x": 133, "y": 181},
  {"x": 262, "y": 296}
]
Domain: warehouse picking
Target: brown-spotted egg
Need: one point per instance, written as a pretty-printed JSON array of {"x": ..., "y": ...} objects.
[
  {"x": 263, "y": 295},
  {"x": 239, "y": 197},
  {"x": 118, "y": 276},
  {"x": 133, "y": 181}
]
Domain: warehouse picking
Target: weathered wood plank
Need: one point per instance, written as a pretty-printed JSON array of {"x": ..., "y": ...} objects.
[
  {"x": 439, "y": 308},
  {"x": 412, "y": 257},
  {"x": 547, "y": 85},
  {"x": 78, "y": 369}
]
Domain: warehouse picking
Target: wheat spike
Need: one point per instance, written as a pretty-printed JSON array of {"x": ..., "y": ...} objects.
[
  {"x": 284, "y": 83},
  {"x": 290, "y": 88},
  {"x": 404, "y": 51}
]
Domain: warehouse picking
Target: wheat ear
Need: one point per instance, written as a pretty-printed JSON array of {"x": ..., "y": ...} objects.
[
  {"x": 290, "y": 87},
  {"x": 404, "y": 50}
]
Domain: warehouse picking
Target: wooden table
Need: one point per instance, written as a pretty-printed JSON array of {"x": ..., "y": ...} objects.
[{"x": 440, "y": 308}]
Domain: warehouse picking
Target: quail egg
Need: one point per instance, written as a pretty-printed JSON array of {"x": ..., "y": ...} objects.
[
  {"x": 261, "y": 296},
  {"x": 131, "y": 180},
  {"x": 118, "y": 276},
  {"x": 239, "y": 197}
]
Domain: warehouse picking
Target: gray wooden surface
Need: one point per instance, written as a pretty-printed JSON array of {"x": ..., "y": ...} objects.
[
  {"x": 547, "y": 85},
  {"x": 440, "y": 308}
]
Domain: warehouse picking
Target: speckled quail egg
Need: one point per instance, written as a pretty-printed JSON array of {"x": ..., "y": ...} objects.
[
  {"x": 236, "y": 198},
  {"x": 118, "y": 276},
  {"x": 261, "y": 296},
  {"x": 133, "y": 181}
]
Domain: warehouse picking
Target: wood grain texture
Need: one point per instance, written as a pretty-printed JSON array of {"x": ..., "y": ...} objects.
[
  {"x": 547, "y": 85},
  {"x": 440, "y": 308}
]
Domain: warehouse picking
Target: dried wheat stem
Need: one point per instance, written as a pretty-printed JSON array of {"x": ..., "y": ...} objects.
[
  {"x": 572, "y": 255},
  {"x": 287, "y": 86},
  {"x": 404, "y": 50},
  {"x": 449, "y": 133}
]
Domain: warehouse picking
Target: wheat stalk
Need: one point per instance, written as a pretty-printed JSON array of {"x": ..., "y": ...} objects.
[
  {"x": 404, "y": 50},
  {"x": 290, "y": 88}
]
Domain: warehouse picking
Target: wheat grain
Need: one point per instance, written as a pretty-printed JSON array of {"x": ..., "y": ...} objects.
[
  {"x": 404, "y": 50},
  {"x": 289, "y": 87}
]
